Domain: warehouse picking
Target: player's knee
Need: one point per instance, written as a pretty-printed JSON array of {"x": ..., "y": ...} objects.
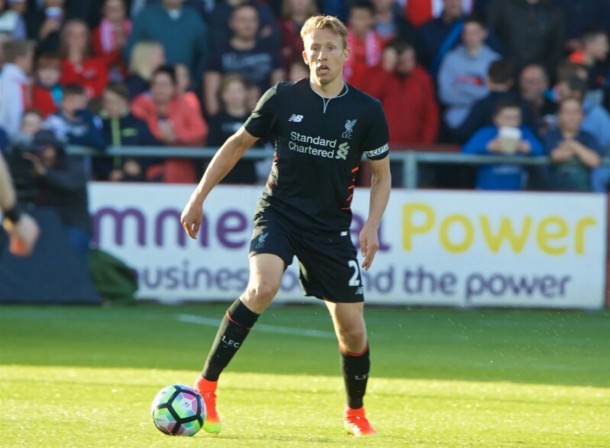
[
  {"x": 257, "y": 297},
  {"x": 353, "y": 337}
]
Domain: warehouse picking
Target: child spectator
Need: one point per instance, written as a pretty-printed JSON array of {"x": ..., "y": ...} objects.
[
  {"x": 507, "y": 136},
  {"x": 173, "y": 121},
  {"x": 234, "y": 113},
  {"x": 122, "y": 128},
  {"x": 183, "y": 78},
  {"x": 78, "y": 66},
  {"x": 295, "y": 13},
  {"x": 593, "y": 56},
  {"x": 438, "y": 36},
  {"x": 14, "y": 83},
  {"x": 406, "y": 92},
  {"x": 365, "y": 45},
  {"x": 254, "y": 59},
  {"x": 47, "y": 92},
  {"x": 111, "y": 35},
  {"x": 73, "y": 123},
  {"x": 574, "y": 152},
  {"x": 11, "y": 20},
  {"x": 298, "y": 70},
  {"x": 462, "y": 78},
  {"x": 146, "y": 57},
  {"x": 596, "y": 119}
]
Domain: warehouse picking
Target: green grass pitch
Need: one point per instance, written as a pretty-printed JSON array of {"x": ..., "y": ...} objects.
[{"x": 85, "y": 377}]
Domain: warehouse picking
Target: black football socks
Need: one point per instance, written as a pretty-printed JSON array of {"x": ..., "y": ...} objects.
[
  {"x": 355, "y": 367},
  {"x": 232, "y": 332}
]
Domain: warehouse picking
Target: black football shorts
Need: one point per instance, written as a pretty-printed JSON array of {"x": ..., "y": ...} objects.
[{"x": 328, "y": 266}]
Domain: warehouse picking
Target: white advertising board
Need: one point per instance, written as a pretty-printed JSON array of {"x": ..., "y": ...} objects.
[{"x": 437, "y": 247}]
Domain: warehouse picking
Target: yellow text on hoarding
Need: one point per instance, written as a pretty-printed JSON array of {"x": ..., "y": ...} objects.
[{"x": 551, "y": 234}]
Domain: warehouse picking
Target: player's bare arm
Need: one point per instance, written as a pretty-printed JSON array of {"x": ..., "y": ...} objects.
[
  {"x": 222, "y": 163},
  {"x": 381, "y": 185},
  {"x": 21, "y": 228}
]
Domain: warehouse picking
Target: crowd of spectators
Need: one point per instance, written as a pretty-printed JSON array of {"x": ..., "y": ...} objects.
[{"x": 525, "y": 77}]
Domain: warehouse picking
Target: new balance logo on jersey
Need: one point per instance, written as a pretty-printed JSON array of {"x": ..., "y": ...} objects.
[
  {"x": 296, "y": 118},
  {"x": 349, "y": 128},
  {"x": 261, "y": 241},
  {"x": 342, "y": 151},
  {"x": 360, "y": 291}
]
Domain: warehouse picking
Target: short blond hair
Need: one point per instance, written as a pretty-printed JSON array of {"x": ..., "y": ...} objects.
[{"x": 320, "y": 22}]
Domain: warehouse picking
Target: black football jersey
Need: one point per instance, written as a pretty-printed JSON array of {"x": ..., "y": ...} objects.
[{"x": 319, "y": 144}]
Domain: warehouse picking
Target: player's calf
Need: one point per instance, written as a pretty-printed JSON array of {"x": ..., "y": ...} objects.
[{"x": 233, "y": 330}]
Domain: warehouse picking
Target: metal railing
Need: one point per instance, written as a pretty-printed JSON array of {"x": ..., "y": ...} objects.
[{"x": 409, "y": 159}]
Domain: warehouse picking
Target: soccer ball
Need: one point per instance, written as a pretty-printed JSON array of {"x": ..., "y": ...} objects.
[{"x": 178, "y": 410}]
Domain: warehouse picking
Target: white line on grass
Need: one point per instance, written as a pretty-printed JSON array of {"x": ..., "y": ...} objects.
[{"x": 259, "y": 327}]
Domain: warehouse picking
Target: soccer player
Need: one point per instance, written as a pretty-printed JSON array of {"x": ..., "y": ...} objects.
[{"x": 321, "y": 127}]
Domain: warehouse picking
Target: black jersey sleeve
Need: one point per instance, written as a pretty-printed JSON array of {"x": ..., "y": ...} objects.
[
  {"x": 375, "y": 144},
  {"x": 261, "y": 120}
]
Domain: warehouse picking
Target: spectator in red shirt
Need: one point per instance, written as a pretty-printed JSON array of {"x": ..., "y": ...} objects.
[
  {"x": 406, "y": 92},
  {"x": 111, "y": 35},
  {"x": 365, "y": 46},
  {"x": 173, "y": 121},
  {"x": 295, "y": 13},
  {"x": 47, "y": 92},
  {"x": 78, "y": 66}
]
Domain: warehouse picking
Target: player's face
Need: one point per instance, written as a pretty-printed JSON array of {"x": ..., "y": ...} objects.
[{"x": 325, "y": 55}]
